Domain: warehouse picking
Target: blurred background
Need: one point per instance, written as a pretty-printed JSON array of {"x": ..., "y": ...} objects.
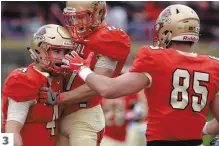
[{"x": 19, "y": 20}]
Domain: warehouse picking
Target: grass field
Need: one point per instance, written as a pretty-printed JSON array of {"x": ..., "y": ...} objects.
[{"x": 207, "y": 139}]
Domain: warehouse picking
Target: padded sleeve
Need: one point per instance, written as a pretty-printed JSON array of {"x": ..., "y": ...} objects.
[
  {"x": 145, "y": 61},
  {"x": 112, "y": 43},
  {"x": 20, "y": 87}
]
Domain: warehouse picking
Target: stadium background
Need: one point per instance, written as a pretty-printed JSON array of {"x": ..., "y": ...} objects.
[{"x": 19, "y": 20}]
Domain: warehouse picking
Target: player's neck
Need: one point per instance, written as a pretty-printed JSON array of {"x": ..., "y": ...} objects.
[
  {"x": 39, "y": 68},
  {"x": 181, "y": 47}
]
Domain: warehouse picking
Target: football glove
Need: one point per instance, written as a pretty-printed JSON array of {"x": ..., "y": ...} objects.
[
  {"x": 73, "y": 62},
  {"x": 48, "y": 96},
  {"x": 215, "y": 142}
]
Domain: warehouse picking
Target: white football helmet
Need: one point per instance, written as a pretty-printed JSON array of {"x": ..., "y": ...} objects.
[
  {"x": 176, "y": 23},
  {"x": 46, "y": 38},
  {"x": 83, "y": 17}
]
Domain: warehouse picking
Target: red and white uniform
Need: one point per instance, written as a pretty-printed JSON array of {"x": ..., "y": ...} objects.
[
  {"x": 40, "y": 127},
  {"x": 111, "y": 47},
  {"x": 115, "y": 112},
  {"x": 182, "y": 86},
  {"x": 107, "y": 41}
]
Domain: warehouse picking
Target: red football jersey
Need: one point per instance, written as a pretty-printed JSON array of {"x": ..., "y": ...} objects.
[
  {"x": 183, "y": 85},
  {"x": 40, "y": 127},
  {"x": 115, "y": 111},
  {"x": 107, "y": 41}
]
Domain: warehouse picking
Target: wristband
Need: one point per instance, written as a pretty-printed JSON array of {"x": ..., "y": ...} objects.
[
  {"x": 204, "y": 130},
  {"x": 84, "y": 72}
]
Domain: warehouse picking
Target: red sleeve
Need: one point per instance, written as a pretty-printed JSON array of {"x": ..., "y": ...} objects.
[
  {"x": 217, "y": 78},
  {"x": 216, "y": 65},
  {"x": 20, "y": 87},
  {"x": 145, "y": 61},
  {"x": 113, "y": 43}
]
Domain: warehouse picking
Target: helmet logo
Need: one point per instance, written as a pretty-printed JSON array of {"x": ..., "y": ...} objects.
[
  {"x": 164, "y": 16},
  {"x": 166, "y": 13},
  {"x": 42, "y": 31}
]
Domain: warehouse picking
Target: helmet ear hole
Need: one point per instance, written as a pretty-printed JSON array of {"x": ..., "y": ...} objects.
[
  {"x": 165, "y": 32},
  {"x": 101, "y": 12},
  {"x": 39, "y": 44}
]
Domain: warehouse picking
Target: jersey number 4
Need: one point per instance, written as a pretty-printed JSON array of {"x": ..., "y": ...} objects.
[
  {"x": 52, "y": 125},
  {"x": 182, "y": 84}
]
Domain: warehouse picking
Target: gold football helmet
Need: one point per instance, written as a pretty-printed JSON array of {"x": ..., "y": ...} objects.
[
  {"x": 176, "y": 23},
  {"x": 46, "y": 38},
  {"x": 83, "y": 17}
]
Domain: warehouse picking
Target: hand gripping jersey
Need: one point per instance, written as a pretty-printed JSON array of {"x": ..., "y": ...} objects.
[
  {"x": 115, "y": 112},
  {"x": 40, "y": 127},
  {"x": 183, "y": 85},
  {"x": 107, "y": 41}
]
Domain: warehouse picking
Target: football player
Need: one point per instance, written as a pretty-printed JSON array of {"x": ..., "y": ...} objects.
[
  {"x": 180, "y": 86},
  {"x": 83, "y": 122},
  {"x": 118, "y": 113},
  {"x": 35, "y": 124}
]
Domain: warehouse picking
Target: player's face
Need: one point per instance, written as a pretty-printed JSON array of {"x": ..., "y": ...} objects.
[
  {"x": 56, "y": 55},
  {"x": 78, "y": 22},
  {"x": 81, "y": 20}
]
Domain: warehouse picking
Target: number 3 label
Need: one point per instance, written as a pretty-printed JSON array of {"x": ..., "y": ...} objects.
[{"x": 7, "y": 139}]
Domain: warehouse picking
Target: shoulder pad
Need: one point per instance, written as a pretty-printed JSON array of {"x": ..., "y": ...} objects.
[
  {"x": 145, "y": 61},
  {"x": 21, "y": 85},
  {"x": 110, "y": 42}
]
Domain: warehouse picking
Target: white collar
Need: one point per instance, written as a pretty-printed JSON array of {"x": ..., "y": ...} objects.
[{"x": 46, "y": 74}]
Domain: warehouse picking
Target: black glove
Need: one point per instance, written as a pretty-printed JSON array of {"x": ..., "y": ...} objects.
[
  {"x": 215, "y": 142},
  {"x": 47, "y": 96}
]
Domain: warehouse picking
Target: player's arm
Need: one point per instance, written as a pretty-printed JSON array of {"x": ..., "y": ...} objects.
[
  {"x": 105, "y": 66},
  {"x": 107, "y": 87},
  {"x": 123, "y": 85},
  {"x": 16, "y": 116},
  {"x": 212, "y": 127}
]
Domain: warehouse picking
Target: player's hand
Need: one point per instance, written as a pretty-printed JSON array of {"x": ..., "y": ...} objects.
[
  {"x": 47, "y": 96},
  {"x": 73, "y": 62}
]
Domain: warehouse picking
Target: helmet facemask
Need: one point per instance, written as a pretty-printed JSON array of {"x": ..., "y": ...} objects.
[
  {"x": 81, "y": 23},
  {"x": 49, "y": 45},
  {"x": 43, "y": 56}
]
